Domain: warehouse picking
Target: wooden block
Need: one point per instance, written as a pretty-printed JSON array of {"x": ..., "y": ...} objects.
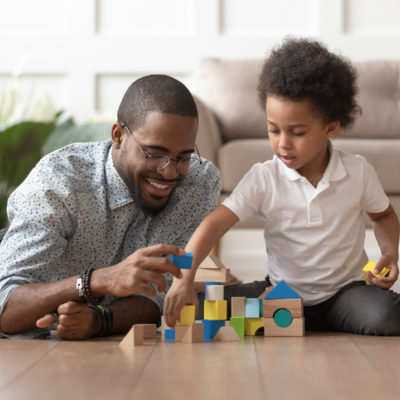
[
  {"x": 227, "y": 334},
  {"x": 215, "y": 310},
  {"x": 252, "y": 325},
  {"x": 180, "y": 330},
  {"x": 194, "y": 334},
  {"x": 188, "y": 315},
  {"x": 265, "y": 292},
  {"x": 238, "y": 306},
  {"x": 212, "y": 262},
  {"x": 238, "y": 323},
  {"x": 150, "y": 331},
  {"x": 214, "y": 292},
  {"x": 252, "y": 308},
  {"x": 183, "y": 262},
  {"x": 295, "y": 306},
  {"x": 212, "y": 275},
  {"x": 296, "y": 328},
  {"x": 134, "y": 337},
  {"x": 169, "y": 335},
  {"x": 227, "y": 323},
  {"x": 282, "y": 291},
  {"x": 370, "y": 266},
  {"x": 211, "y": 328}
]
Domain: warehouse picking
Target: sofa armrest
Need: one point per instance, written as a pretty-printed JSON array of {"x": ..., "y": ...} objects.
[{"x": 209, "y": 138}]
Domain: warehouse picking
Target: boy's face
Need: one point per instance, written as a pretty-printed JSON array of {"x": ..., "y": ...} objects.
[
  {"x": 165, "y": 134},
  {"x": 298, "y": 136}
]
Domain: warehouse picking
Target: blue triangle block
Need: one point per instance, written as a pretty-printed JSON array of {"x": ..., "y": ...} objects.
[{"x": 282, "y": 291}]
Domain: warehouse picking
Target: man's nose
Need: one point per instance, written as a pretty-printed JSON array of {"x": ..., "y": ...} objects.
[{"x": 170, "y": 172}]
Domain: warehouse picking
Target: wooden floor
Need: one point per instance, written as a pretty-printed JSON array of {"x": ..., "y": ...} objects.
[{"x": 319, "y": 366}]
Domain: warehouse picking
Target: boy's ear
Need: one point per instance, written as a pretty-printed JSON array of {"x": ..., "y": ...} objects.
[{"x": 332, "y": 129}]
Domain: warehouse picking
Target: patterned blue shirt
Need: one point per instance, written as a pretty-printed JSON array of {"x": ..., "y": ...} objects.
[{"x": 74, "y": 211}]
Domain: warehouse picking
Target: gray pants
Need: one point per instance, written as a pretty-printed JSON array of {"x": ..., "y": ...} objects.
[{"x": 356, "y": 308}]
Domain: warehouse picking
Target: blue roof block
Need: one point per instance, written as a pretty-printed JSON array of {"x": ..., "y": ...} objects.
[{"x": 282, "y": 291}]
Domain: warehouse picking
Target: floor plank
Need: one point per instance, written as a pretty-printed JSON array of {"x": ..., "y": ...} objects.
[
  {"x": 18, "y": 356},
  {"x": 94, "y": 369},
  {"x": 318, "y": 366},
  {"x": 217, "y": 370}
]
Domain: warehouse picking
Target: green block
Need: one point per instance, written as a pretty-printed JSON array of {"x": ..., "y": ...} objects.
[
  {"x": 238, "y": 324},
  {"x": 283, "y": 318},
  {"x": 261, "y": 308}
]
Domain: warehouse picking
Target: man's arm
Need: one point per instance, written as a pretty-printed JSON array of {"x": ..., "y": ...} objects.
[
  {"x": 386, "y": 230},
  {"x": 30, "y": 302}
]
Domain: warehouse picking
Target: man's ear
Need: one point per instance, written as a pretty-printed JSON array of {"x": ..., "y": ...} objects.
[
  {"x": 332, "y": 129},
  {"x": 117, "y": 133}
]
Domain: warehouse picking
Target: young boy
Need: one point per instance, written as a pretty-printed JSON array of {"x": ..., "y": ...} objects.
[{"x": 311, "y": 198}]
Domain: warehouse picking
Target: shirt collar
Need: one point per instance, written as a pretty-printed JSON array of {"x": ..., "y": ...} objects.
[
  {"x": 335, "y": 170},
  {"x": 117, "y": 192}
]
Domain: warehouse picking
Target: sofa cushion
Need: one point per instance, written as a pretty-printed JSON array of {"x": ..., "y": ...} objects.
[
  {"x": 229, "y": 88},
  {"x": 237, "y": 156}
]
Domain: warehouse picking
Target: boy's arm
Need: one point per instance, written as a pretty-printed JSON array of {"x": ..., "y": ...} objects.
[
  {"x": 386, "y": 230},
  {"x": 213, "y": 227}
]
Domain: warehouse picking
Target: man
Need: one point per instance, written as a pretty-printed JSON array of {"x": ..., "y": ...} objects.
[{"x": 100, "y": 219}]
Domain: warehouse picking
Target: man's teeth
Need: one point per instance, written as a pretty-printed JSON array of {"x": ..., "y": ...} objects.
[{"x": 157, "y": 185}]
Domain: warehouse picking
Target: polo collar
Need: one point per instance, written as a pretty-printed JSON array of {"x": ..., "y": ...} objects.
[
  {"x": 117, "y": 192},
  {"x": 335, "y": 171}
]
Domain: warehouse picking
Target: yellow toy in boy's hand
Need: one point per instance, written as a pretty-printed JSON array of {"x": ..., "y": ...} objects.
[{"x": 370, "y": 266}]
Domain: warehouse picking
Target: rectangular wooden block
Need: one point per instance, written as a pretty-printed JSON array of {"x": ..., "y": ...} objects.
[
  {"x": 252, "y": 308},
  {"x": 296, "y": 328},
  {"x": 194, "y": 334},
  {"x": 238, "y": 306},
  {"x": 214, "y": 292},
  {"x": 212, "y": 275},
  {"x": 215, "y": 310},
  {"x": 295, "y": 306},
  {"x": 188, "y": 315}
]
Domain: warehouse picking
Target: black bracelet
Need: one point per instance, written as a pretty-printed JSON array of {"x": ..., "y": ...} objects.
[
  {"x": 87, "y": 293},
  {"x": 106, "y": 316}
]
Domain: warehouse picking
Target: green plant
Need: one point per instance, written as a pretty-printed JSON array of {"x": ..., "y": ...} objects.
[{"x": 23, "y": 144}]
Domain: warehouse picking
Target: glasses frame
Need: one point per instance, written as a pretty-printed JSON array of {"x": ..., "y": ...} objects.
[{"x": 148, "y": 155}]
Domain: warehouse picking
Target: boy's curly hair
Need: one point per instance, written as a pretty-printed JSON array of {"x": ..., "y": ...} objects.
[{"x": 304, "y": 69}]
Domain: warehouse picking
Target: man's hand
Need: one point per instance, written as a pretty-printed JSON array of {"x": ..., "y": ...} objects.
[
  {"x": 384, "y": 282},
  {"x": 180, "y": 294},
  {"x": 75, "y": 321},
  {"x": 134, "y": 274}
]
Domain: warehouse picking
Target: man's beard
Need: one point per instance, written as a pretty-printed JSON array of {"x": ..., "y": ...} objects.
[{"x": 143, "y": 204}]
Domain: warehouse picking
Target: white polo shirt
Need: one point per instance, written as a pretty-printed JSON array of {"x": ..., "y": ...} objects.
[{"x": 314, "y": 236}]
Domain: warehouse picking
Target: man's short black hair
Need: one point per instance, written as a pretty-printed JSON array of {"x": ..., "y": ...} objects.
[
  {"x": 160, "y": 93},
  {"x": 304, "y": 69}
]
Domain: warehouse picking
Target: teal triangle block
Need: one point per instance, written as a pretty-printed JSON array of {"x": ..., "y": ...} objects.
[{"x": 282, "y": 291}]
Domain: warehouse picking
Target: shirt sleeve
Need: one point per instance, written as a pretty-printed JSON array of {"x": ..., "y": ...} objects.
[
  {"x": 40, "y": 223},
  {"x": 374, "y": 198},
  {"x": 245, "y": 199}
]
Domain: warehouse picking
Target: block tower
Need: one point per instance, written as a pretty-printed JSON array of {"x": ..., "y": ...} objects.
[{"x": 283, "y": 312}]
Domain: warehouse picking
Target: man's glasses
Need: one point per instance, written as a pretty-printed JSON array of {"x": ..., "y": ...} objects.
[{"x": 157, "y": 162}]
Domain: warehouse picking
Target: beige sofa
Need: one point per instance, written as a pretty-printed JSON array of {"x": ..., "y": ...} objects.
[{"x": 233, "y": 131}]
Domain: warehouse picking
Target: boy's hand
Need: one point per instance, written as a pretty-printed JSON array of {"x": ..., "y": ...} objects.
[
  {"x": 180, "y": 294},
  {"x": 385, "y": 282}
]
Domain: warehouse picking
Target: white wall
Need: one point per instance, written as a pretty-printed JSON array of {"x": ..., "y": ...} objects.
[{"x": 85, "y": 53}]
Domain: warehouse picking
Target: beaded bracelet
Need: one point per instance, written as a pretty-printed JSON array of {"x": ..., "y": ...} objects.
[{"x": 86, "y": 292}]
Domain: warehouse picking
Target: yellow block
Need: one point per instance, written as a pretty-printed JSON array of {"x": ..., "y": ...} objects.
[
  {"x": 370, "y": 266},
  {"x": 215, "y": 310},
  {"x": 252, "y": 325},
  {"x": 188, "y": 314}
]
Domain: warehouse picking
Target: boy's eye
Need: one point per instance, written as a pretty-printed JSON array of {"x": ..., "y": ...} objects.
[
  {"x": 298, "y": 133},
  {"x": 273, "y": 130}
]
